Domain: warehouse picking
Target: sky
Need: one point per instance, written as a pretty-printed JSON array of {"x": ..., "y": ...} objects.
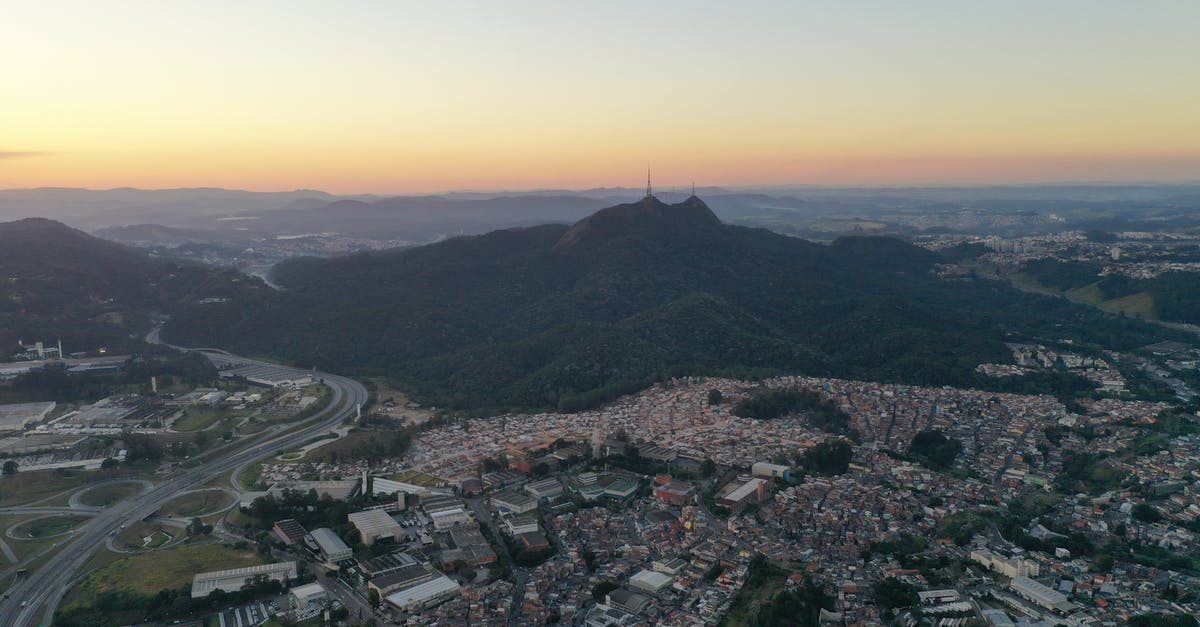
[{"x": 404, "y": 97}]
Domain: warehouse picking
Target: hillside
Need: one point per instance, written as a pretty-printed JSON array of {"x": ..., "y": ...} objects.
[
  {"x": 571, "y": 315},
  {"x": 60, "y": 283}
]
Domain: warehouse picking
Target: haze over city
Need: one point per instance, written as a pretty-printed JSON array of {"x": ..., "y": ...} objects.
[{"x": 400, "y": 97}]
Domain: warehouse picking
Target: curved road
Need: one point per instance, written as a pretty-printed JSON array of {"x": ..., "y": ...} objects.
[{"x": 35, "y": 599}]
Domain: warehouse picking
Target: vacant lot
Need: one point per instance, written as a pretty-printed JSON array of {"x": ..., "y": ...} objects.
[
  {"x": 157, "y": 570},
  {"x": 27, "y": 487},
  {"x": 197, "y": 504},
  {"x": 105, "y": 495}
]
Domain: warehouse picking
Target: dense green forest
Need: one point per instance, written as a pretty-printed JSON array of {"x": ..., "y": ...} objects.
[
  {"x": 61, "y": 284},
  {"x": 569, "y": 317}
]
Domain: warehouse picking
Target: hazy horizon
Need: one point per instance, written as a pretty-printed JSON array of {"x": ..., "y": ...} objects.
[{"x": 389, "y": 98}]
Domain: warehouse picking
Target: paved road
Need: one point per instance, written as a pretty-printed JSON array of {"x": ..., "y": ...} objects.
[{"x": 36, "y": 597}]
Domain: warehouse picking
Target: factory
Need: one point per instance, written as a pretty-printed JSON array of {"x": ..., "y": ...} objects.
[{"x": 233, "y": 579}]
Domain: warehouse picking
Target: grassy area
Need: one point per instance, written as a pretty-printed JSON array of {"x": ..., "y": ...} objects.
[
  {"x": 27, "y": 487},
  {"x": 150, "y": 572},
  {"x": 105, "y": 495},
  {"x": 197, "y": 419},
  {"x": 197, "y": 504},
  {"x": 417, "y": 477},
  {"x": 1139, "y": 304},
  {"x": 48, "y": 527},
  {"x": 248, "y": 476},
  {"x": 135, "y": 536}
]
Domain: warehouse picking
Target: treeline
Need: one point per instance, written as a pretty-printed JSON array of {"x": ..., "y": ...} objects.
[
  {"x": 820, "y": 413},
  {"x": 120, "y": 607}
]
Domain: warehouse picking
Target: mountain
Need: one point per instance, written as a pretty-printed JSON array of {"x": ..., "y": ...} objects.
[
  {"x": 60, "y": 283},
  {"x": 568, "y": 316}
]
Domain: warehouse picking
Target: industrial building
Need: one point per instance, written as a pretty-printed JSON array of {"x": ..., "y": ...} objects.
[
  {"x": 14, "y": 418},
  {"x": 1043, "y": 595},
  {"x": 423, "y": 595},
  {"x": 234, "y": 579},
  {"x": 743, "y": 492},
  {"x": 674, "y": 493},
  {"x": 517, "y": 524},
  {"x": 332, "y": 547},
  {"x": 514, "y": 502},
  {"x": 446, "y": 512},
  {"x": 403, "y": 577},
  {"x": 289, "y": 530},
  {"x": 545, "y": 489},
  {"x": 374, "y": 525}
]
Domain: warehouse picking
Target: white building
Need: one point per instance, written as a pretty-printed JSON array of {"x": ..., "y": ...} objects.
[
  {"x": 332, "y": 546},
  {"x": 234, "y": 579},
  {"x": 651, "y": 582},
  {"x": 374, "y": 525},
  {"x": 310, "y": 597},
  {"x": 424, "y": 595}
]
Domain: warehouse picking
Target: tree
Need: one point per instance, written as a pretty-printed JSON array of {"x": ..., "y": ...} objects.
[
  {"x": 1141, "y": 512},
  {"x": 933, "y": 449},
  {"x": 109, "y": 463},
  {"x": 10, "y": 467},
  {"x": 891, "y": 593},
  {"x": 373, "y": 597},
  {"x": 831, "y": 457},
  {"x": 601, "y": 590},
  {"x": 714, "y": 397}
]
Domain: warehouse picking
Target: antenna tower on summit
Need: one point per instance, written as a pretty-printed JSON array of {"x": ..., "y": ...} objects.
[{"x": 649, "y": 190}]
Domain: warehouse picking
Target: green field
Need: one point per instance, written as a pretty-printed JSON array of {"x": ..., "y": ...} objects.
[
  {"x": 195, "y": 419},
  {"x": 106, "y": 495},
  {"x": 417, "y": 477},
  {"x": 1139, "y": 304},
  {"x": 150, "y": 572},
  {"x": 48, "y": 527},
  {"x": 134, "y": 537},
  {"x": 27, "y": 487},
  {"x": 197, "y": 504}
]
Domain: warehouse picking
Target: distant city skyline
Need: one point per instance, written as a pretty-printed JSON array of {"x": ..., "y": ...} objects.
[{"x": 394, "y": 98}]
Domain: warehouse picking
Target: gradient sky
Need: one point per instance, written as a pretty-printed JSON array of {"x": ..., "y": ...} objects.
[{"x": 393, "y": 97}]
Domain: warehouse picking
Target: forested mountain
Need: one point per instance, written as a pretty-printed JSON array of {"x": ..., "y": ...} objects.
[
  {"x": 59, "y": 283},
  {"x": 569, "y": 316}
]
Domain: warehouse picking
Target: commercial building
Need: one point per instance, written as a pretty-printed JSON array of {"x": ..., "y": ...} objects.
[
  {"x": 374, "y": 525},
  {"x": 423, "y": 595},
  {"x": 332, "y": 547},
  {"x": 1043, "y": 595},
  {"x": 771, "y": 471},
  {"x": 234, "y": 579},
  {"x": 308, "y": 598}
]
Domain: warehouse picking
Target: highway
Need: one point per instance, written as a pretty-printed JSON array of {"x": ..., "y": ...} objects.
[{"x": 34, "y": 599}]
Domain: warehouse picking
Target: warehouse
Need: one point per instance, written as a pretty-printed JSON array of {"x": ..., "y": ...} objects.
[
  {"x": 232, "y": 580},
  {"x": 333, "y": 549},
  {"x": 374, "y": 525},
  {"x": 424, "y": 595}
]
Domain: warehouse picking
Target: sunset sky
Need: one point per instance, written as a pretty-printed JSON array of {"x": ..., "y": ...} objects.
[{"x": 396, "y": 97}]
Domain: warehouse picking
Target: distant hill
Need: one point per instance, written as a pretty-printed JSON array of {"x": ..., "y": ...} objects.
[
  {"x": 568, "y": 316},
  {"x": 60, "y": 283}
]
